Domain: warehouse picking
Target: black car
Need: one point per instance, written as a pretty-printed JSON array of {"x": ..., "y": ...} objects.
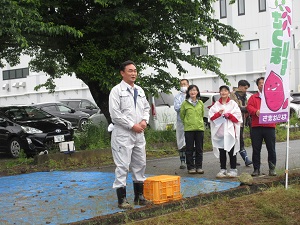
[
  {"x": 78, "y": 118},
  {"x": 81, "y": 104},
  {"x": 31, "y": 129}
]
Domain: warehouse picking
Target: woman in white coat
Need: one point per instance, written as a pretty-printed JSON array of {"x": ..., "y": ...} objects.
[{"x": 225, "y": 118}]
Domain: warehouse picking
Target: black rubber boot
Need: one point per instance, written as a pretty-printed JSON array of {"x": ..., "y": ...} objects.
[
  {"x": 182, "y": 158},
  {"x": 122, "y": 201},
  {"x": 255, "y": 173},
  {"x": 272, "y": 171},
  {"x": 139, "y": 198},
  {"x": 245, "y": 157}
]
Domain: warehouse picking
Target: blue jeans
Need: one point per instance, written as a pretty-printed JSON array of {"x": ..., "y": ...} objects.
[{"x": 258, "y": 135}]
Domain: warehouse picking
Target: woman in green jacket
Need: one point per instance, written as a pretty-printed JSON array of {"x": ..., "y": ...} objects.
[{"x": 191, "y": 114}]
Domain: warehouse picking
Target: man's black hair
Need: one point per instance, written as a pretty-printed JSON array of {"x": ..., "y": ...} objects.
[
  {"x": 185, "y": 80},
  {"x": 243, "y": 83},
  {"x": 126, "y": 63},
  {"x": 258, "y": 79}
]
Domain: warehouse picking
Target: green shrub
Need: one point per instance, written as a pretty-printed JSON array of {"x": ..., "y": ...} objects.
[{"x": 94, "y": 137}]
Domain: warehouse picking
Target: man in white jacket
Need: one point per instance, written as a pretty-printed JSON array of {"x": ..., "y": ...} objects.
[
  {"x": 129, "y": 111},
  {"x": 179, "y": 98}
]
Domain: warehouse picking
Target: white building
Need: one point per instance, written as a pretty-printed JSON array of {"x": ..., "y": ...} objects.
[
  {"x": 253, "y": 20},
  {"x": 250, "y": 17}
]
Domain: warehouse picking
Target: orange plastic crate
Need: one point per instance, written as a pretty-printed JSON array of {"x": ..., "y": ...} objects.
[{"x": 163, "y": 188}]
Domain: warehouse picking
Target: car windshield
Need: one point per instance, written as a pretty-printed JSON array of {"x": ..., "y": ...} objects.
[
  {"x": 164, "y": 99},
  {"x": 296, "y": 98},
  {"x": 23, "y": 113}
]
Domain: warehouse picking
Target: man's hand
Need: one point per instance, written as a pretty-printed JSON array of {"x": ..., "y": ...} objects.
[
  {"x": 143, "y": 124},
  {"x": 137, "y": 128}
]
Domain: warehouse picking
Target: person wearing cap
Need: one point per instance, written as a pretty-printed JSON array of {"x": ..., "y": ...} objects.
[
  {"x": 225, "y": 119},
  {"x": 179, "y": 98}
]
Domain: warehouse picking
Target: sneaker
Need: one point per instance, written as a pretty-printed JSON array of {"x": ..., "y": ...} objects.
[
  {"x": 222, "y": 174},
  {"x": 272, "y": 172},
  {"x": 232, "y": 173},
  {"x": 192, "y": 171},
  {"x": 200, "y": 171}
]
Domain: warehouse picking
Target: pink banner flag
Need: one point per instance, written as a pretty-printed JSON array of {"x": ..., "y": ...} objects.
[{"x": 276, "y": 90}]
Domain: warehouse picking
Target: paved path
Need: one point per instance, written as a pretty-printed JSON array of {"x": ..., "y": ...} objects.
[{"x": 170, "y": 166}]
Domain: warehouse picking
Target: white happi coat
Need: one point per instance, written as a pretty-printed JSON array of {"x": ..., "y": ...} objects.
[{"x": 224, "y": 133}]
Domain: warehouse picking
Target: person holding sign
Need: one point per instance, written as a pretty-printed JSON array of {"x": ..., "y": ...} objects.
[
  {"x": 225, "y": 119},
  {"x": 261, "y": 132}
]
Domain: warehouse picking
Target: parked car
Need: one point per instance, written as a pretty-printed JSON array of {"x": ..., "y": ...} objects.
[
  {"x": 295, "y": 104},
  {"x": 98, "y": 119},
  {"x": 208, "y": 99},
  {"x": 162, "y": 114},
  {"x": 78, "y": 118},
  {"x": 81, "y": 104},
  {"x": 31, "y": 129}
]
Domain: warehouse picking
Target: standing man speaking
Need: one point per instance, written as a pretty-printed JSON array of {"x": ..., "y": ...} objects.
[{"x": 129, "y": 111}]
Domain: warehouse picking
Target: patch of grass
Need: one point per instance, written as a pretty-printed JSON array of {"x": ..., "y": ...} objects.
[
  {"x": 22, "y": 160},
  {"x": 94, "y": 137},
  {"x": 274, "y": 206}
]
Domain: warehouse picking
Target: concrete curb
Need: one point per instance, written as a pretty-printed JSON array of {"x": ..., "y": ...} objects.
[{"x": 187, "y": 203}]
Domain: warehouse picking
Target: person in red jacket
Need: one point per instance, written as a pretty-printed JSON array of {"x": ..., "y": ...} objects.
[{"x": 260, "y": 132}]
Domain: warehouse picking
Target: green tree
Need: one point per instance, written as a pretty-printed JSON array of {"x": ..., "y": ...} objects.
[
  {"x": 148, "y": 32},
  {"x": 21, "y": 25}
]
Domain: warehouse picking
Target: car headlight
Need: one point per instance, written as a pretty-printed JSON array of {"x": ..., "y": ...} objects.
[
  {"x": 69, "y": 125},
  {"x": 31, "y": 130}
]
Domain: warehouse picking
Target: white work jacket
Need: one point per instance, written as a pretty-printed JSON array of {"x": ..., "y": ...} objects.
[{"x": 122, "y": 109}]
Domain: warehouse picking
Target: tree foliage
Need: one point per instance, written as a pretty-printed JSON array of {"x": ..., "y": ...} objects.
[
  {"x": 21, "y": 25},
  {"x": 149, "y": 32}
]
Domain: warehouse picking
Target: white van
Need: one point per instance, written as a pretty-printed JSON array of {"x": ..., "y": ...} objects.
[
  {"x": 162, "y": 114},
  {"x": 208, "y": 99}
]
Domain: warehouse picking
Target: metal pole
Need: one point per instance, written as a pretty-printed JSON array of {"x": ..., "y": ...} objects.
[{"x": 287, "y": 146}]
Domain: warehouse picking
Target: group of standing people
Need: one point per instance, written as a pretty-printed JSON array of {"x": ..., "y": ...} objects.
[
  {"x": 130, "y": 111},
  {"x": 228, "y": 117}
]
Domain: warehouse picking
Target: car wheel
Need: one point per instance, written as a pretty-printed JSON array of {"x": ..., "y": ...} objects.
[
  {"x": 83, "y": 124},
  {"x": 14, "y": 147}
]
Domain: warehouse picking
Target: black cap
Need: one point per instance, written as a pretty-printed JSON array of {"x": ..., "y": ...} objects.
[{"x": 224, "y": 86}]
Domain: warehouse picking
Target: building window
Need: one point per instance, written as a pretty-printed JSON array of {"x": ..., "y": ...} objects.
[
  {"x": 223, "y": 10},
  {"x": 249, "y": 45},
  {"x": 262, "y": 5},
  {"x": 241, "y": 7},
  {"x": 199, "y": 50},
  {"x": 15, "y": 74}
]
